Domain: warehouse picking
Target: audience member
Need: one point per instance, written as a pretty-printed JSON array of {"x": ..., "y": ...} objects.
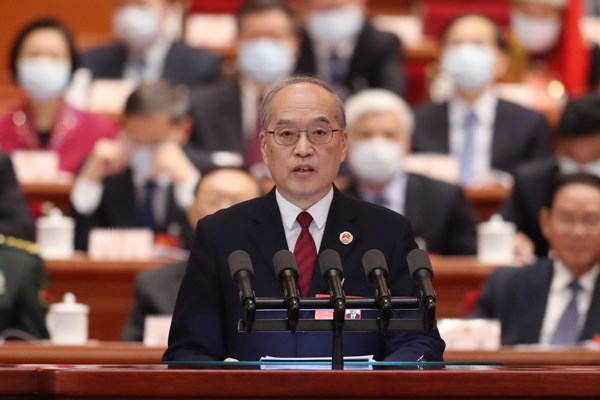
[
  {"x": 344, "y": 49},
  {"x": 23, "y": 281},
  {"x": 143, "y": 178},
  {"x": 145, "y": 53},
  {"x": 15, "y": 216},
  {"x": 555, "y": 301},
  {"x": 547, "y": 50},
  {"x": 303, "y": 143},
  {"x": 42, "y": 60},
  {"x": 481, "y": 130},
  {"x": 156, "y": 290},
  {"x": 379, "y": 129},
  {"x": 226, "y": 114},
  {"x": 578, "y": 149}
]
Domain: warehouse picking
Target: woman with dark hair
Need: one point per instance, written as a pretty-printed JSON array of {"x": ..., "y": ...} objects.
[{"x": 42, "y": 61}]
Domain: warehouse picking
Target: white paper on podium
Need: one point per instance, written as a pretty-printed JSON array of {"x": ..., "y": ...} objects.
[{"x": 304, "y": 362}]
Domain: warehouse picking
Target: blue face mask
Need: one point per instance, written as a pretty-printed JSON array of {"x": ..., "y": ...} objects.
[
  {"x": 265, "y": 60},
  {"x": 43, "y": 78},
  {"x": 568, "y": 166},
  {"x": 471, "y": 66},
  {"x": 335, "y": 24}
]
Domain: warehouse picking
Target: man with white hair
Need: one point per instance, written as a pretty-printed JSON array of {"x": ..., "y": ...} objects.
[{"x": 380, "y": 125}]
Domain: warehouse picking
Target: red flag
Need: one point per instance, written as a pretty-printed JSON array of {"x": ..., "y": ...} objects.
[{"x": 575, "y": 56}]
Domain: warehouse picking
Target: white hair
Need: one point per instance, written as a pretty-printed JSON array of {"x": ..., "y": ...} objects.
[{"x": 377, "y": 101}]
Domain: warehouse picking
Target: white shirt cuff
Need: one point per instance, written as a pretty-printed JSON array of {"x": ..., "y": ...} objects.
[
  {"x": 184, "y": 192},
  {"x": 86, "y": 195}
]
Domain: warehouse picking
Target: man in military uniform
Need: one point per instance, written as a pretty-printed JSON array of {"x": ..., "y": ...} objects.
[{"x": 23, "y": 283}]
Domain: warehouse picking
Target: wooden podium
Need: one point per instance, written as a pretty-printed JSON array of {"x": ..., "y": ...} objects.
[{"x": 80, "y": 382}]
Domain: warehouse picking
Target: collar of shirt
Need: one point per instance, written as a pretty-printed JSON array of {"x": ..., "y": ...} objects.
[
  {"x": 289, "y": 211},
  {"x": 343, "y": 49},
  {"x": 484, "y": 108},
  {"x": 154, "y": 60},
  {"x": 562, "y": 277},
  {"x": 394, "y": 193}
]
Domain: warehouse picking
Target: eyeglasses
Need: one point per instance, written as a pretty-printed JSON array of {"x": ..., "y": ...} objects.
[
  {"x": 569, "y": 221},
  {"x": 316, "y": 134}
]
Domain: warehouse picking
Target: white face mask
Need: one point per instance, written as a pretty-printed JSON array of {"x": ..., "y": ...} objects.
[
  {"x": 266, "y": 60},
  {"x": 568, "y": 166},
  {"x": 335, "y": 24},
  {"x": 43, "y": 78},
  {"x": 471, "y": 66},
  {"x": 537, "y": 35},
  {"x": 376, "y": 160},
  {"x": 137, "y": 26}
]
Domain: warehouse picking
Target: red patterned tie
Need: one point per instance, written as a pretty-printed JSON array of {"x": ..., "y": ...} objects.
[{"x": 305, "y": 252}]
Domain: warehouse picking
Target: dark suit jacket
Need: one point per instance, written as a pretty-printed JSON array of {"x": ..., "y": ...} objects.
[
  {"x": 204, "y": 323},
  {"x": 184, "y": 65},
  {"x": 216, "y": 111},
  {"x": 21, "y": 302},
  {"x": 518, "y": 297},
  {"x": 520, "y": 134},
  {"x": 15, "y": 217},
  {"x": 529, "y": 193},
  {"x": 119, "y": 209},
  {"x": 439, "y": 213},
  {"x": 155, "y": 294},
  {"x": 377, "y": 61}
]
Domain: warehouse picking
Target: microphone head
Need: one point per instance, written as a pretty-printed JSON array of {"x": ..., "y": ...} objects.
[
  {"x": 238, "y": 261},
  {"x": 418, "y": 259},
  {"x": 328, "y": 260},
  {"x": 374, "y": 259},
  {"x": 285, "y": 260}
]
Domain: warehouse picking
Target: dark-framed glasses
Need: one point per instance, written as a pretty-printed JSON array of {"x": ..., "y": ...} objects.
[{"x": 316, "y": 134}]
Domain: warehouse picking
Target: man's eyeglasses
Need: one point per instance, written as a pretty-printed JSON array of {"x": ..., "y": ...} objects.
[{"x": 316, "y": 134}]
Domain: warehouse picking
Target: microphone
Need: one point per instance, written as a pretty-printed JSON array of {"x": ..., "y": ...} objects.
[
  {"x": 422, "y": 273},
  {"x": 331, "y": 269},
  {"x": 240, "y": 268},
  {"x": 286, "y": 270},
  {"x": 377, "y": 273}
]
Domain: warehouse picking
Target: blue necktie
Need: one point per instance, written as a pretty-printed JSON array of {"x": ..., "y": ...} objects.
[
  {"x": 147, "y": 211},
  {"x": 467, "y": 154},
  {"x": 566, "y": 329}
]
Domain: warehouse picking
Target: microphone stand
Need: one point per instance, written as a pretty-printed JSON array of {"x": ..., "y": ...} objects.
[{"x": 339, "y": 317}]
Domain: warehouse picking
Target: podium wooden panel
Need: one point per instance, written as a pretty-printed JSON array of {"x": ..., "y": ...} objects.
[{"x": 481, "y": 383}]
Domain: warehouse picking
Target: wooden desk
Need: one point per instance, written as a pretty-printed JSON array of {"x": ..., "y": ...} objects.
[
  {"x": 17, "y": 381},
  {"x": 119, "y": 353},
  {"x": 481, "y": 383},
  {"x": 106, "y": 286},
  {"x": 486, "y": 200},
  {"x": 55, "y": 193}
]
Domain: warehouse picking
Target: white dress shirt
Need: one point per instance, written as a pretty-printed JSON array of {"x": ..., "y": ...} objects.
[
  {"x": 484, "y": 109},
  {"x": 560, "y": 295},
  {"x": 153, "y": 63},
  {"x": 289, "y": 212}
]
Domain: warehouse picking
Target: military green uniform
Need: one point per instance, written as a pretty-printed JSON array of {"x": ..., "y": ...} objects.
[{"x": 23, "y": 282}]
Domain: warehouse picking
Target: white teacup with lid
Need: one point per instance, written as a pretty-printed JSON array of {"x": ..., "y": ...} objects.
[
  {"x": 67, "y": 322},
  {"x": 55, "y": 235},
  {"x": 495, "y": 241}
]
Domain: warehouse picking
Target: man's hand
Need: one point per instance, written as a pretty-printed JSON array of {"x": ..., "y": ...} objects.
[
  {"x": 171, "y": 160},
  {"x": 524, "y": 249},
  {"x": 109, "y": 157}
]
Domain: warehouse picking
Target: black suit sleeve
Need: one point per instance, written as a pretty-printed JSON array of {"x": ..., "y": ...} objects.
[
  {"x": 389, "y": 72},
  {"x": 15, "y": 217},
  {"x": 462, "y": 231}
]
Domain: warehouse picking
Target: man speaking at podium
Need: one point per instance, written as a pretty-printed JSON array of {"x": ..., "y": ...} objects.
[{"x": 303, "y": 143}]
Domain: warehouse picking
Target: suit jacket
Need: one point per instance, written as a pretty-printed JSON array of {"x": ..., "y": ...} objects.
[
  {"x": 24, "y": 278},
  {"x": 155, "y": 294},
  {"x": 376, "y": 62},
  {"x": 518, "y": 297},
  {"x": 15, "y": 217},
  {"x": 119, "y": 209},
  {"x": 73, "y": 136},
  {"x": 528, "y": 197},
  {"x": 208, "y": 307},
  {"x": 184, "y": 65},
  {"x": 520, "y": 134},
  {"x": 216, "y": 111},
  {"x": 439, "y": 213}
]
